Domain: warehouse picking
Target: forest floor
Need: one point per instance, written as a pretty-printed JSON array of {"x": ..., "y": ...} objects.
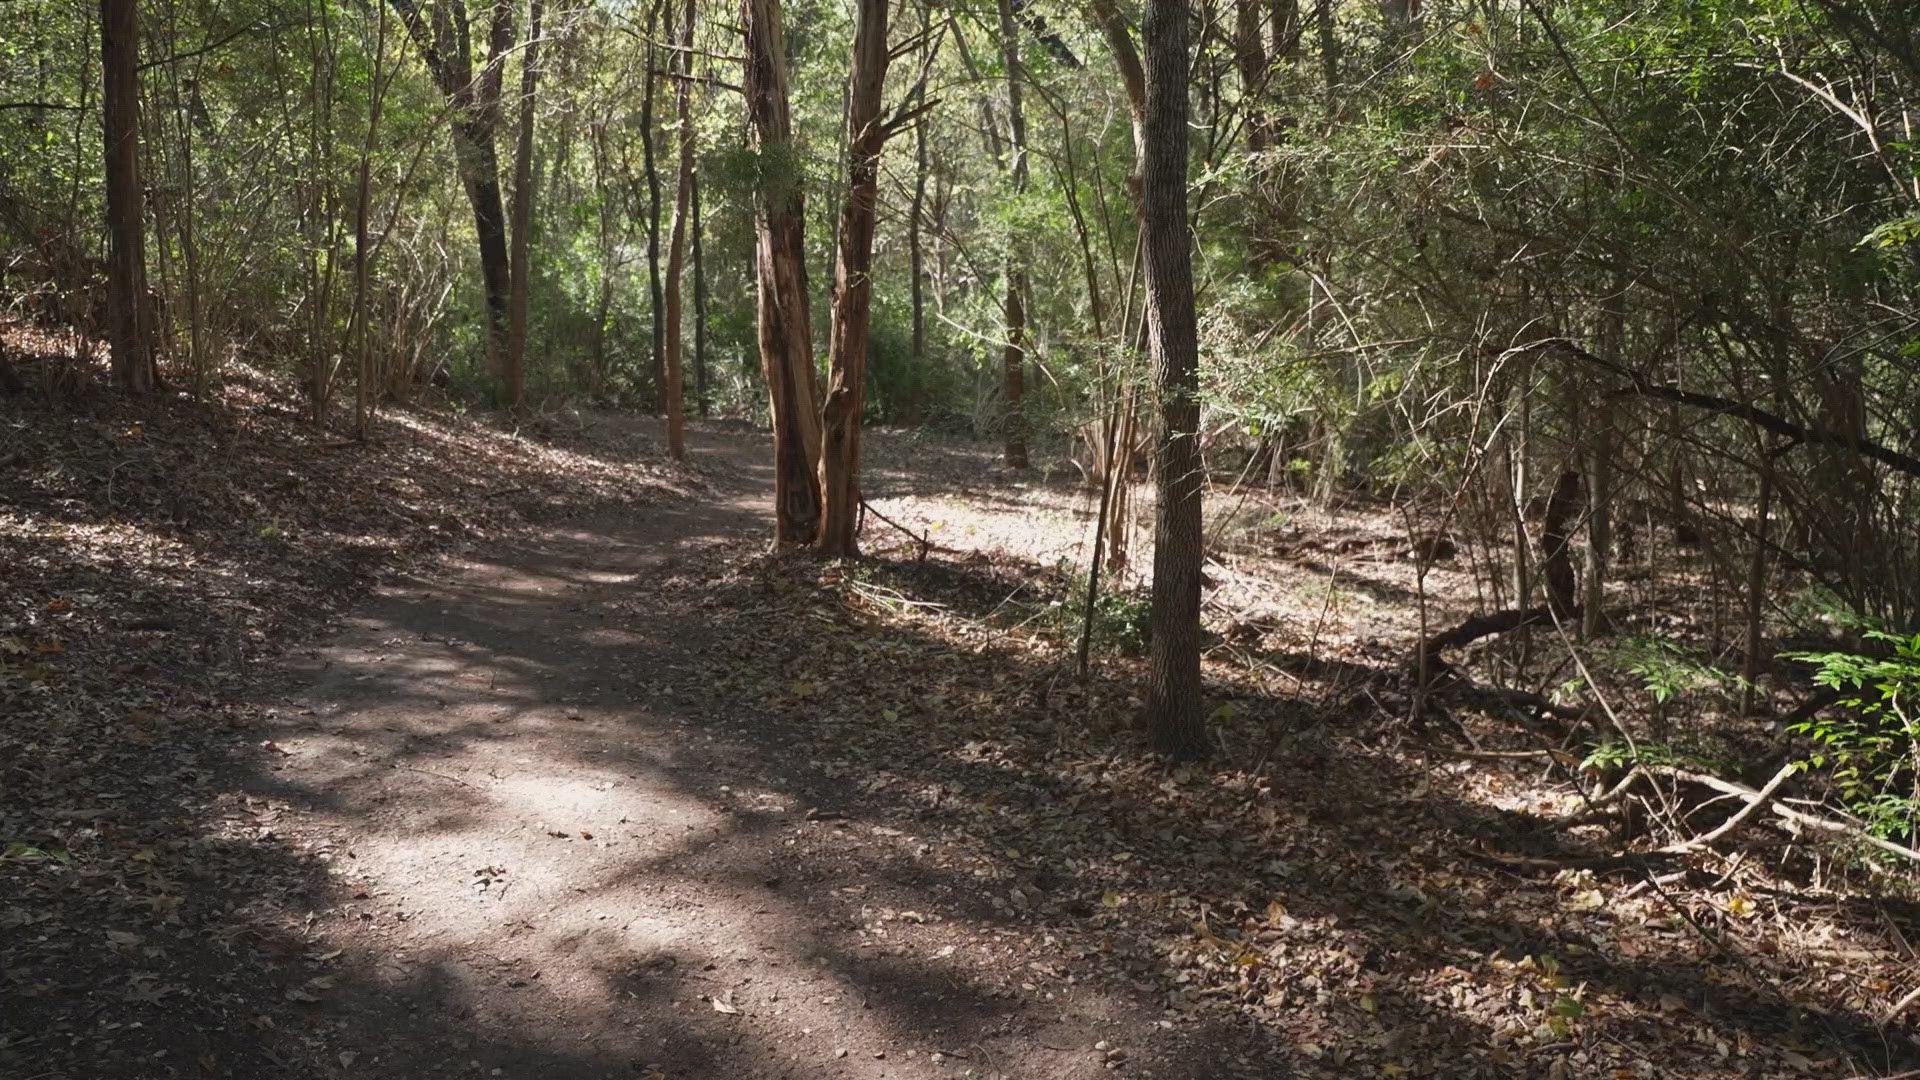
[{"x": 476, "y": 753}]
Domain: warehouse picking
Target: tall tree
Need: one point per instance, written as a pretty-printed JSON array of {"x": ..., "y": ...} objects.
[
  {"x": 699, "y": 303},
  {"x": 853, "y": 285},
  {"x": 650, "y": 164},
  {"x": 1173, "y": 683},
  {"x": 444, "y": 35},
  {"x": 130, "y": 328},
  {"x": 514, "y": 370},
  {"x": 786, "y": 338},
  {"x": 671, "y": 398},
  {"x": 1014, "y": 353},
  {"x": 916, "y": 259}
]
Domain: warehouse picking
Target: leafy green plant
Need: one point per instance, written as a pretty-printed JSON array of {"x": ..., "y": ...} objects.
[
  {"x": 1870, "y": 745},
  {"x": 1617, "y": 756},
  {"x": 1120, "y": 616},
  {"x": 1666, "y": 669}
]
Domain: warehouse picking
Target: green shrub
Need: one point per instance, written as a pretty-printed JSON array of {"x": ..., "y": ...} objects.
[{"x": 1869, "y": 745}]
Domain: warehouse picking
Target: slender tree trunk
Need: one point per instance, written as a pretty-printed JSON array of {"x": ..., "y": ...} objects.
[
  {"x": 916, "y": 255},
  {"x": 1174, "y": 715},
  {"x": 514, "y": 371},
  {"x": 699, "y": 304},
  {"x": 362, "y": 255},
  {"x": 1014, "y": 355},
  {"x": 1556, "y": 558},
  {"x": 446, "y": 46},
  {"x": 853, "y": 286},
  {"x": 1612, "y": 339},
  {"x": 786, "y": 339},
  {"x": 652, "y": 169},
  {"x": 474, "y": 148},
  {"x": 1329, "y": 48},
  {"x": 129, "y": 327},
  {"x": 672, "y": 404},
  {"x": 1757, "y": 585},
  {"x": 1250, "y": 56},
  {"x": 609, "y": 256}
]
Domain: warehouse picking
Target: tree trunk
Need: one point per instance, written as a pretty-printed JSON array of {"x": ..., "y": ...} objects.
[
  {"x": 129, "y": 327},
  {"x": 447, "y": 48},
  {"x": 1757, "y": 585},
  {"x": 786, "y": 339},
  {"x": 699, "y": 304},
  {"x": 1250, "y": 56},
  {"x": 652, "y": 169},
  {"x": 1556, "y": 560},
  {"x": 1329, "y": 49},
  {"x": 363, "y": 392},
  {"x": 671, "y": 403},
  {"x": 1174, "y": 716},
  {"x": 480, "y": 166},
  {"x": 853, "y": 286},
  {"x": 513, "y": 372},
  {"x": 916, "y": 256},
  {"x": 1612, "y": 339},
  {"x": 1014, "y": 356}
]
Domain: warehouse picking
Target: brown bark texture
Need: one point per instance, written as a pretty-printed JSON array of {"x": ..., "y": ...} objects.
[
  {"x": 1556, "y": 534},
  {"x": 853, "y": 286},
  {"x": 651, "y": 168},
  {"x": 446, "y": 47},
  {"x": 1014, "y": 354},
  {"x": 786, "y": 340},
  {"x": 520, "y": 255},
  {"x": 672, "y": 402},
  {"x": 130, "y": 330},
  {"x": 1174, "y": 716}
]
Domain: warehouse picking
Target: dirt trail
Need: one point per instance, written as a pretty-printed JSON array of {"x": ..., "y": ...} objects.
[{"x": 557, "y": 860}]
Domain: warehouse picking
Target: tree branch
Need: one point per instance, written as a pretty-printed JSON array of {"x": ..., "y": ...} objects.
[{"x": 1739, "y": 410}]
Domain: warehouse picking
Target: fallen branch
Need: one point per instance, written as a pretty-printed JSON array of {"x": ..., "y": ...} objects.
[
  {"x": 1899, "y": 1007},
  {"x": 1788, "y": 813},
  {"x": 1757, "y": 800},
  {"x": 925, "y": 542},
  {"x": 1477, "y": 627}
]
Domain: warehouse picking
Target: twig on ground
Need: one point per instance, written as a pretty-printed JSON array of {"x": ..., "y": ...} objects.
[
  {"x": 1899, "y": 1007},
  {"x": 429, "y": 772},
  {"x": 925, "y": 541},
  {"x": 1797, "y": 817},
  {"x": 1754, "y": 802}
]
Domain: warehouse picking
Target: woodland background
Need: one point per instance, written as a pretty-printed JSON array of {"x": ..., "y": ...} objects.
[{"x": 1605, "y": 318}]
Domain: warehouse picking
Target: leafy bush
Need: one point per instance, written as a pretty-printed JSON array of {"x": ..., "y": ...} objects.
[
  {"x": 1122, "y": 618},
  {"x": 1665, "y": 668},
  {"x": 1870, "y": 745}
]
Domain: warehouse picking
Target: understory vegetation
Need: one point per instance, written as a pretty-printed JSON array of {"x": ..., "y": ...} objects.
[{"x": 1399, "y": 518}]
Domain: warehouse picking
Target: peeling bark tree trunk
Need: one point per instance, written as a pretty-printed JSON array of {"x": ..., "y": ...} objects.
[
  {"x": 673, "y": 404},
  {"x": 1174, "y": 716},
  {"x": 786, "y": 339},
  {"x": 129, "y": 328},
  {"x": 513, "y": 371},
  {"x": 446, "y": 47},
  {"x": 853, "y": 286}
]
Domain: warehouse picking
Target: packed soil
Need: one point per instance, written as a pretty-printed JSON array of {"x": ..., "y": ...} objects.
[{"x": 477, "y": 752}]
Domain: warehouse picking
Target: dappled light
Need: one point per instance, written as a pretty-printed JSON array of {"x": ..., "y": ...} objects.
[{"x": 788, "y": 540}]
